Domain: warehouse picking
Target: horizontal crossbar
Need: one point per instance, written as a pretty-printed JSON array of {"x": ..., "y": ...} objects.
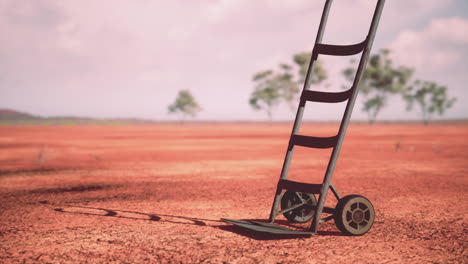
[
  {"x": 338, "y": 50},
  {"x": 324, "y": 97},
  {"x": 313, "y": 142},
  {"x": 290, "y": 208},
  {"x": 326, "y": 219},
  {"x": 328, "y": 210},
  {"x": 299, "y": 186}
]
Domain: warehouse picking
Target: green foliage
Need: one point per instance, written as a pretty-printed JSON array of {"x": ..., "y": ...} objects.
[
  {"x": 319, "y": 73},
  {"x": 262, "y": 75},
  {"x": 373, "y": 105},
  {"x": 379, "y": 80},
  {"x": 273, "y": 87},
  {"x": 266, "y": 94},
  {"x": 185, "y": 104},
  {"x": 431, "y": 97},
  {"x": 287, "y": 86}
]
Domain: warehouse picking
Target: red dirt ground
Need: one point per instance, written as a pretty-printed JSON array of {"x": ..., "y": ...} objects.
[{"x": 155, "y": 194}]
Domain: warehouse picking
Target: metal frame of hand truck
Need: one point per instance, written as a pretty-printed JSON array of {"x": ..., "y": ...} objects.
[{"x": 334, "y": 142}]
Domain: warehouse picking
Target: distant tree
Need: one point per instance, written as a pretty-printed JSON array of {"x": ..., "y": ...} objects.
[
  {"x": 185, "y": 104},
  {"x": 287, "y": 86},
  {"x": 431, "y": 98},
  {"x": 271, "y": 88},
  {"x": 266, "y": 94},
  {"x": 302, "y": 60},
  {"x": 379, "y": 80}
]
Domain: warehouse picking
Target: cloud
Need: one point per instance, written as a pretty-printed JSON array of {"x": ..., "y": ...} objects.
[
  {"x": 438, "y": 52},
  {"x": 440, "y": 46},
  {"x": 114, "y": 58}
]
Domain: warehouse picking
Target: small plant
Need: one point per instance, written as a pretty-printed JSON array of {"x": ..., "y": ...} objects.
[{"x": 41, "y": 157}]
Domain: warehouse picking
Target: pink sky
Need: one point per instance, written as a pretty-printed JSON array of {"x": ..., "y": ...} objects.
[{"x": 116, "y": 58}]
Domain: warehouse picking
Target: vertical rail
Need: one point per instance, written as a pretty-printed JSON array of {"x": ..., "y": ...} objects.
[
  {"x": 347, "y": 115},
  {"x": 300, "y": 112}
]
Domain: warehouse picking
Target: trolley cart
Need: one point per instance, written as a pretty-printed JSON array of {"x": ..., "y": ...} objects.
[{"x": 353, "y": 214}]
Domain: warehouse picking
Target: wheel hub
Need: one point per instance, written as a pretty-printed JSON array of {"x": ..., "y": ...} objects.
[
  {"x": 304, "y": 212},
  {"x": 358, "y": 216}
]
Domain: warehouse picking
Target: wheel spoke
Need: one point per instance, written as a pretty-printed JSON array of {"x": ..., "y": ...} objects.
[
  {"x": 365, "y": 211},
  {"x": 299, "y": 195},
  {"x": 296, "y": 206}
]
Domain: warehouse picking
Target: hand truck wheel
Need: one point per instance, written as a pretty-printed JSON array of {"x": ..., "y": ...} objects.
[
  {"x": 354, "y": 215},
  {"x": 303, "y": 213}
]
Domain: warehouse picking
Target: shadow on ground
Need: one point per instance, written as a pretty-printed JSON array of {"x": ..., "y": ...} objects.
[{"x": 175, "y": 219}]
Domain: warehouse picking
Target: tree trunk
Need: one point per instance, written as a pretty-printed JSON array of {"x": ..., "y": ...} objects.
[
  {"x": 425, "y": 116},
  {"x": 369, "y": 118},
  {"x": 427, "y": 119},
  {"x": 270, "y": 117},
  {"x": 373, "y": 116},
  {"x": 182, "y": 120}
]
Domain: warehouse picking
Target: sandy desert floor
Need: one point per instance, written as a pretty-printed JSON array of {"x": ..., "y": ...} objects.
[{"x": 156, "y": 193}]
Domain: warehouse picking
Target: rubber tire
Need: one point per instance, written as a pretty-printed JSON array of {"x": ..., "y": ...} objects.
[
  {"x": 301, "y": 214},
  {"x": 351, "y": 216}
]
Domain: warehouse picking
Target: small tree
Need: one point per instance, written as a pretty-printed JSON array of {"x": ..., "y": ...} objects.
[
  {"x": 266, "y": 94},
  {"x": 431, "y": 98},
  {"x": 272, "y": 87},
  {"x": 287, "y": 86},
  {"x": 185, "y": 104},
  {"x": 319, "y": 73},
  {"x": 378, "y": 81}
]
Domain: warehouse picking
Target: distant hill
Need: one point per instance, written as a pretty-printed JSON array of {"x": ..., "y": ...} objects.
[{"x": 13, "y": 115}]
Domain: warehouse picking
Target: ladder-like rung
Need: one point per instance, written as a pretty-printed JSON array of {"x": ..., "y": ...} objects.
[
  {"x": 299, "y": 186},
  {"x": 324, "y": 97},
  {"x": 338, "y": 50},
  {"x": 314, "y": 142}
]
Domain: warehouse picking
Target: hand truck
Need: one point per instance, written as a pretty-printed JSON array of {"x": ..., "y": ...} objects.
[{"x": 353, "y": 214}]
